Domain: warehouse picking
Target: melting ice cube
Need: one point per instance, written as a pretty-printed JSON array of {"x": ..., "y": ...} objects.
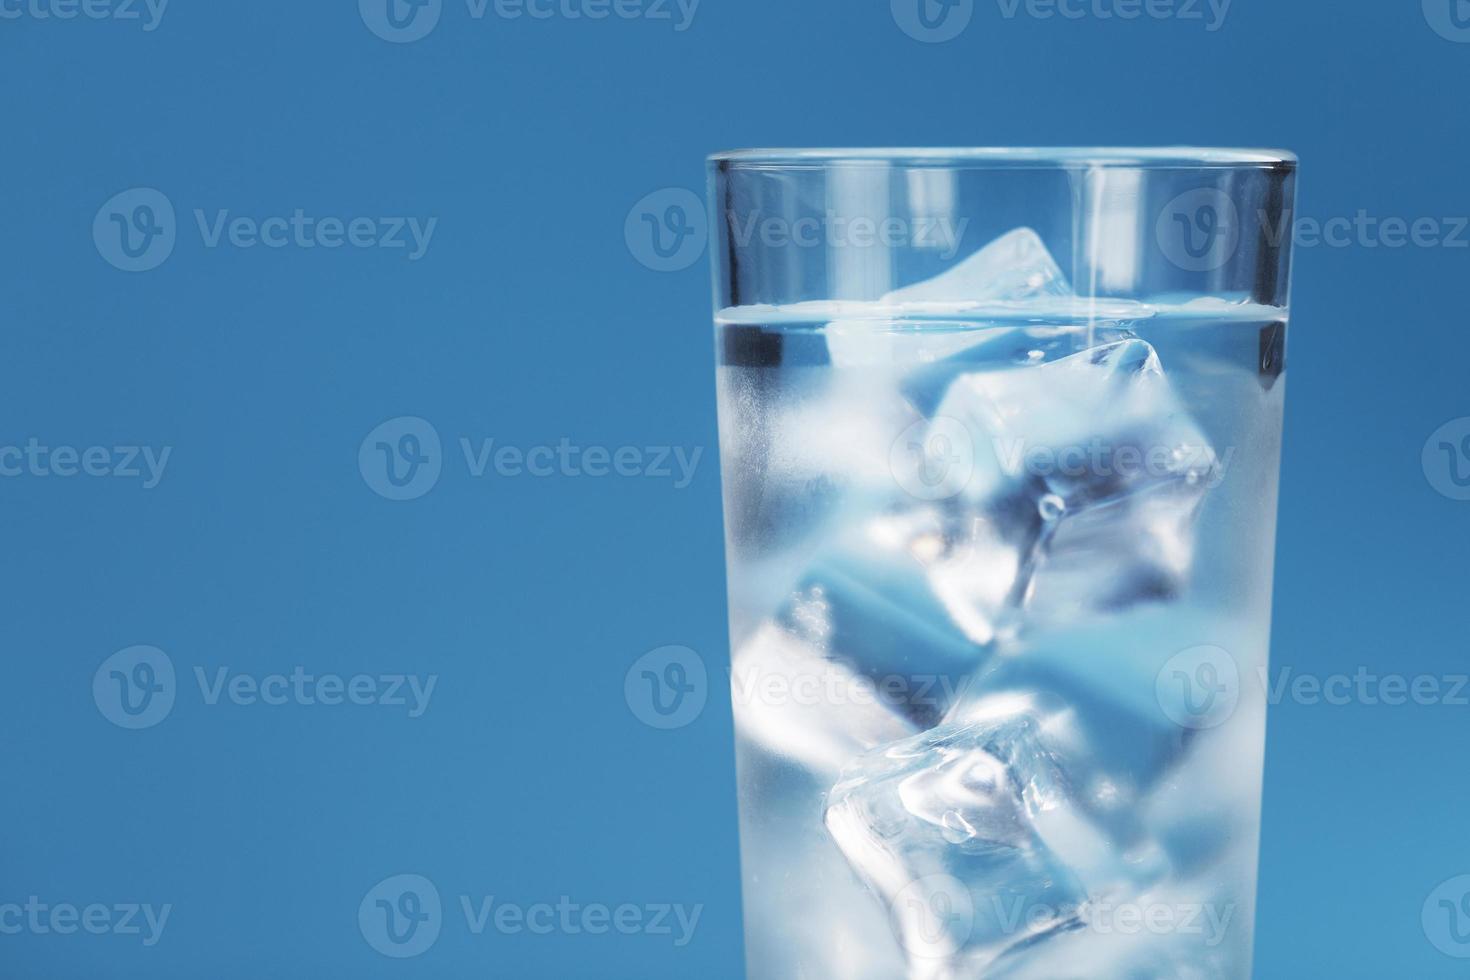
[
  {"x": 1125, "y": 730},
  {"x": 804, "y": 916},
  {"x": 796, "y": 703},
  {"x": 866, "y": 601},
  {"x": 861, "y": 653},
  {"x": 1094, "y": 452},
  {"x": 1013, "y": 268},
  {"x": 1016, "y": 266},
  {"x": 957, "y": 832},
  {"x": 799, "y": 445}
]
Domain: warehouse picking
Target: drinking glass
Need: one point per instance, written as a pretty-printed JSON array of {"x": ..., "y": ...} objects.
[{"x": 1000, "y": 435}]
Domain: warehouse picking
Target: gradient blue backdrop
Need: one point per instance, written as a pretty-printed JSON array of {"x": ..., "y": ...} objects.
[{"x": 529, "y": 320}]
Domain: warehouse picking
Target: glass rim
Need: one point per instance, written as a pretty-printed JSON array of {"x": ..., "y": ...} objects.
[{"x": 1009, "y": 158}]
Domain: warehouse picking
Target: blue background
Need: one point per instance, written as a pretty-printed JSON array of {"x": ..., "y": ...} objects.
[{"x": 530, "y": 320}]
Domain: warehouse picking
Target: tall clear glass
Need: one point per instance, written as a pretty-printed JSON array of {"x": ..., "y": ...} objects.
[{"x": 1000, "y": 436}]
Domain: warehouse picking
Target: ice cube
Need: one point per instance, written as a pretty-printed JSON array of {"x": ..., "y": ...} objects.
[
  {"x": 805, "y": 916},
  {"x": 1206, "y": 813},
  {"x": 866, "y": 602},
  {"x": 1096, "y": 457},
  {"x": 858, "y": 653},
  {"x": 889, "y": 342},
  {"x": 955, "y": 831},
  {"x": 799, "y": 445},
  {"x": 1015, "y": 267},
  {"x": 999, "y": 348},
  {"x": 1122, "y": 738},
  {"x": 793, "y": 701}
]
